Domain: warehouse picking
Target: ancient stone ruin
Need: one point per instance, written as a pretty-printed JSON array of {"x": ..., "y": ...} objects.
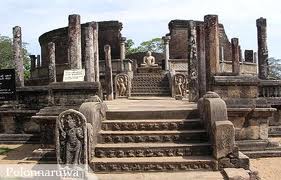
[{"x": 198, "y": 106}]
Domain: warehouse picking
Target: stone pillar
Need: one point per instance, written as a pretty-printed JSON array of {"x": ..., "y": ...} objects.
[
  {"x": 249, "y": 56},
  {"x": 262, "y": 48},
  {"x": 201, "y": 59},
  {"x": 240, "y": 54},
  {"x": 52, "y": 62},
  {"x": 96, "y": 51},
  {"x": 212, "y": 47},
  {"x": 38, "y": 61},
  {"x": 166, "y": 40},
  {"x": 235, "y": 56},
  {"x": 122, "y": 52},
  {"x": 17, "y": 56},
  {"x": 89, "y": 53},
  {"x": 32, "y": 62},
  {"x": 255, "y": 57},
  {"x": 192, "y": 64},
  {"x": 74, "y": 42},
  {"x": 108, "y": 73}
]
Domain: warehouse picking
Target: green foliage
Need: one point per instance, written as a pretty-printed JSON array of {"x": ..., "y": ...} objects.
[
  {"x": 274, "y": 68},
  {"x": 153, "y": 45},
  {"x": 6, "y": 55}
]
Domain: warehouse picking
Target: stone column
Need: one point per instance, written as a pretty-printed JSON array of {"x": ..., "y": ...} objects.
[
  {"x": 249, "y": 56},
  {"x": 122, "y": 52},
  {"x": 166, "y": 40},
  {"x": 17, "y": 56},
  {"x": 74, "y": 42},
  {"x": 255, "y": 57},
  {"x": 201, "y": 59},
  {"x": 212, "y": 47},
  {"x": 262, "y": 48},
  {"x": 89, "y": 53},
  {"x": 235, "y": 56},
  {"x": 52, "y": 62},
  {"x": 38, "y": 61},
  {"x": 192, "y": 64},
  {"x": 96, "y": 51},
  {"x": 32, "y": 62},
  {"x": 108, "y": 73}
]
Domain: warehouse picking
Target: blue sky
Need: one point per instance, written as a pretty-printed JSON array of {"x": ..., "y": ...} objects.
[{"x": 143, "y": 20}]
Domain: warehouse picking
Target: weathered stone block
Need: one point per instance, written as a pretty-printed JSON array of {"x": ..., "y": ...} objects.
[
  {"x": 236, "y": 174},
  {"x": 223, "y": 138}
]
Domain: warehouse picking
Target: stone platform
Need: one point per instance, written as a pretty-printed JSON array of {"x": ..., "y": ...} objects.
[{"x": 156, "y": 69}]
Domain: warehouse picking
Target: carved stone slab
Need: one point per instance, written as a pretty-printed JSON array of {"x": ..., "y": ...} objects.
[
  {"x": 179, "y": 85},
  {"x": 71, "y": 138},
  {"x": 122, "y": 85}
]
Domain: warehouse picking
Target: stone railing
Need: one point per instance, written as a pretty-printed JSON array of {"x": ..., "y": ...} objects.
[
  {"x": 270, "y": 88},
  {"x": 178, "y": 65},
  {"x": 213, "y": 112},
  {"x": 245, "y": 67}
]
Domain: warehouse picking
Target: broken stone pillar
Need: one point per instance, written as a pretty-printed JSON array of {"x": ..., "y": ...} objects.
[
  {"x": 52, "y": 62},
  {"x": 240, "y": 54},
  {"x": 201, "y": 59},
  {"x": 212, "y": 47},
  {"x": 32, "y": 62},
  {"x": 74, "y": 42},
  {"x": 38, "y": 61},
  {"x": 255, "y": 57},
  {"x": 108, "y": 73},
  {"x": 89, "y": 53},
  {"x": 235, "y": 56},
  {"x": 166, "y": 40},
  {"x": 122, "y": 52},
  {"x": 192, "y": 64},
  {"x": 96, "y": 51},
  {"x": 17, "y": 56},
  {"x": 262, "y": 48},
  {"x": 249, "y": 56}
]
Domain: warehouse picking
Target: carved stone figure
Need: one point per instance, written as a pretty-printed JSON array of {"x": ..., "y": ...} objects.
[
  {"x": 71, "y": 138},
  {"x": 149, "y": 60},
  {"x": 180, "y": 85},
  {"x": 122, "y": 85}
]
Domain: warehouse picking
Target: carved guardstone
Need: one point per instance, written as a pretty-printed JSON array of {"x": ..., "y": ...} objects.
[
  {"x": 71, "y": 138},
  {"x": 122, "y": 85},
  {"x": 180, "y": 86}
]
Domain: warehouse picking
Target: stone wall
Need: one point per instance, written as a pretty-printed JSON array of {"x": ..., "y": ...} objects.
[
  {"x": 179, "y": 40},
  {"x": 245, "y": 67}
]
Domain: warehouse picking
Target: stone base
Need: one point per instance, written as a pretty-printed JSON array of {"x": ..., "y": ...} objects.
[
  {"x": 156, "y": 69},
  {"x": 46, "y": 155},
  {"x": 20, "y": 139},
  {"x": 274, "y": 131},
  {"x": 259, "y": 148}
]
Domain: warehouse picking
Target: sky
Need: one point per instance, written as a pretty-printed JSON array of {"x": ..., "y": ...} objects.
[{"x": 143, "y": 20}]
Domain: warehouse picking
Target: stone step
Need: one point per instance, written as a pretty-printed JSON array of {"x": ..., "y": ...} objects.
[
  {"x": 20, "y": 138},
  {"x": 150, "y": 94},
  {"x": 151, "y": 150},
  {"x": 153, "y": 164},
  {"x": 150, "y": 125},
  {"x": 263, "y": 153},
  {"x": 152, "y": 136},
  {"x": 186, "y": 113}
]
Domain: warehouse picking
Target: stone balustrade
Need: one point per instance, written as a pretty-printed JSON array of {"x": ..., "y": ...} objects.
[{"x": 270, "y": 88}]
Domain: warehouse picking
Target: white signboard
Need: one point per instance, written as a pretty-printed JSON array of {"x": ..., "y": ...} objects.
[{"x": 73, "y": 75}]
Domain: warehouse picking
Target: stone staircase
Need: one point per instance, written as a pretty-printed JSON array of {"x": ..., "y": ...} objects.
[
  {"x": 155, "y": 139},
  {"x": 150, "y": 84}
]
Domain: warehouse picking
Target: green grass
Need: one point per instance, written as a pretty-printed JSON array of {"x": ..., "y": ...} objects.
[{"x": 4, "y": 150}]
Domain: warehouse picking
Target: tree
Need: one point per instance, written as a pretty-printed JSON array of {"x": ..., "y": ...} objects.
[
  {"x": 274, "y": 68},
  {"x": 153, "y": 45},
  {"x": 6, "y": 55}
]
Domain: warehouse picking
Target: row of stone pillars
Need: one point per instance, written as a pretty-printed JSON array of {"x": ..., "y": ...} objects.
[{"x": 203, "y": 54}]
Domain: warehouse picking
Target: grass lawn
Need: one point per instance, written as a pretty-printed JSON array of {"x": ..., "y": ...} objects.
[{"x": 4, "y": 150}]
